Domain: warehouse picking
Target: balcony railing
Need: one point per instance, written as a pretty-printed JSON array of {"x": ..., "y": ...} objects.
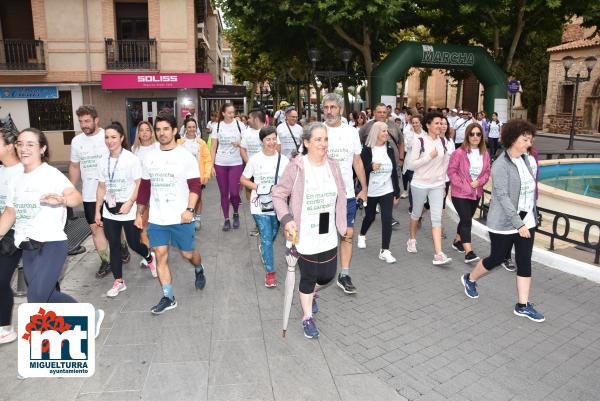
[
  {"x": 22, "y": 55},
  {"x": 130, "y": 54}
]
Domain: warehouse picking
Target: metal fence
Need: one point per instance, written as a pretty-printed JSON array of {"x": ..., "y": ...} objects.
[
  {"x": 22, "y": 54},
  {"x": 564, "y": 234},
  {"x": 130, "y": 54}
]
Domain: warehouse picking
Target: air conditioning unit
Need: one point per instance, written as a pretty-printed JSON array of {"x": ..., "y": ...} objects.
[{"x": 203, "y": 35}]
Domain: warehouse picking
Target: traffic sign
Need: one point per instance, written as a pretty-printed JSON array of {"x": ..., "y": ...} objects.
[{"x": 513, "y": 86}]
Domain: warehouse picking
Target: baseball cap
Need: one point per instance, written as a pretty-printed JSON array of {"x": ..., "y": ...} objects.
[{"x": 454, "y": 110}]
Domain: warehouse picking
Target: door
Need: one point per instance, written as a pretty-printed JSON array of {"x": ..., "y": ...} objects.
[{"x": 146, "y": 110}]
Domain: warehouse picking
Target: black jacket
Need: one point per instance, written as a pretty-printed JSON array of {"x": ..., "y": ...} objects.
[{"x": 367, "y": 158}]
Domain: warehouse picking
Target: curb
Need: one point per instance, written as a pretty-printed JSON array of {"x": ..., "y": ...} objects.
[{"x": 540, "y": 255}]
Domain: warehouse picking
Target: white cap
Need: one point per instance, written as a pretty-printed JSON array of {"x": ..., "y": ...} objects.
[{"x": 454, "y": 110}]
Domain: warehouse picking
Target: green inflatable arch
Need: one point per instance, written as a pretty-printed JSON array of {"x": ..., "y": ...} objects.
[{"x": 415, "y": 54}]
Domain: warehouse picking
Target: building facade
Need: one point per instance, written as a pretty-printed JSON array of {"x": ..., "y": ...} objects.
[
  {"x": 577, "y": 43},
  {"x": 130, "y": 58}
]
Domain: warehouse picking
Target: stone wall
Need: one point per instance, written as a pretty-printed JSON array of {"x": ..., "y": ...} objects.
[{"x": 561, "y": 123}]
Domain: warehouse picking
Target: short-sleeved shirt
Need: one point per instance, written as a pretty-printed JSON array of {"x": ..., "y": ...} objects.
[
  {"x": 251, "y": 141},
  {"x": 192, "y": 146},
  {"x": 87, "y": 150},
  {"x": 143, "y": 151},
  {"x": 7, "y": 174},
  {"x": 380, "y": 181},
  {"x": 120, "y": 181},
  {"x": 35, "y": 221},
  {"x": 168, "y": 172},
  {"x": 344, "y": 144},
  {"x": 227, "y": 154},
  {"x": 262, "y": 168},
  {"x": 284, "y": 138}
]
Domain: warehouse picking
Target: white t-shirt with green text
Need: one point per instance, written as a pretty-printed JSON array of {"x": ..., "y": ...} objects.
[
  {"x": 35, "y": 221},
  {"x": 168, "y": 172},
  {"x": 262, "y": 168},
  {"x": 380, "y": 181},
  {"x": 344, "y": 143},
  {"x": 87, "y": 150},
  {"x": 227, "y": 154},
  {"x": 120, "y": 181},
  {"x": 7, "y": 174},
  {"x": 251, "y": 141}
]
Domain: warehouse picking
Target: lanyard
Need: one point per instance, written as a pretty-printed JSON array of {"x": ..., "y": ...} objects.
[{"x": 112, "y": 176}]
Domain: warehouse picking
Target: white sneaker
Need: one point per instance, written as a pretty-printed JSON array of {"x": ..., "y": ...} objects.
[
  {"x": 362, "y": 242},
  {"x": 386, "y": 255},
  {"x": 404, "y": 195},
  {"x": 7, "y": 334},
  {"x": 99, "y": 319},
  {"x": 117, "y": 287},
  {"x": 411, "y": 246},
  {"x": 441, "y": 259}
]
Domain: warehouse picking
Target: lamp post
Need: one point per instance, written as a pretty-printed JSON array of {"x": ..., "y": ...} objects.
[{"x": 568, "y": 61}]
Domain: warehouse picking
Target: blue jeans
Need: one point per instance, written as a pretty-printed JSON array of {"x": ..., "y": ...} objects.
[{"x": 267, "y": 229}]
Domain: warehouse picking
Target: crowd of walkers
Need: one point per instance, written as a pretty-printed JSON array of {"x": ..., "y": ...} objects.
[{"x": 309, "y": 179}]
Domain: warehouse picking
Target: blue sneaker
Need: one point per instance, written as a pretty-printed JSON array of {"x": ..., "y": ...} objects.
[
  {"x": 200, "y": 280},
  {"x": 315, "y": 307},
  {"x": 470, "y": 286},
  {"x": 529, "y": 312},
  {"x": 310, "y": 329},
  {"x": 163, "y": 305}
]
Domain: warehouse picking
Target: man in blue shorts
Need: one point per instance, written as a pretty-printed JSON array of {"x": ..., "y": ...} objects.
[{"x": 170, "y": 182}]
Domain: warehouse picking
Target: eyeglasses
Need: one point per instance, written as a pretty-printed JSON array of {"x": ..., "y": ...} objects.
[
  {"x": 28, "y": 145},
  {"x": 475, "y": 133}
]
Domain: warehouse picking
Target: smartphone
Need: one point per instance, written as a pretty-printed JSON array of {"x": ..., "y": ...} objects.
[{"x": 324, "y": 223}]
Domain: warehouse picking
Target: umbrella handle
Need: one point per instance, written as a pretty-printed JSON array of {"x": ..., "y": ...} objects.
[{"x": 293, "y": 235}]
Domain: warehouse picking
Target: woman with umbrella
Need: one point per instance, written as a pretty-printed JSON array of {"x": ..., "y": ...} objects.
[{"x": 315, "y": 215}]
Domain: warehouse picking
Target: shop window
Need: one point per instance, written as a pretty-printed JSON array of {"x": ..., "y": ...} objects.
[
  {"x": 52, "y": 114},
  {"x": 567, "y": 98}
]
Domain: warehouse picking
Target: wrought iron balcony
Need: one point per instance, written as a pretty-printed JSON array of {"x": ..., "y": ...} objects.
[
  {"x": 22, "y": 55},
  {"x": 130, "y": 54}
]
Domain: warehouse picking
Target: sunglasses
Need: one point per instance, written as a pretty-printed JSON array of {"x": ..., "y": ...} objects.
[{"x": 474, "y": 133}]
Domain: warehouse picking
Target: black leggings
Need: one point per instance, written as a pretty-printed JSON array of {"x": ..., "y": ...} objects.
[
  {"x": 112, "y": 231},
  {"x": 8, "y": 264},
  {"x": 319, "y": 269},
  {"x": 446, "y": 194},
  {"x": 501, "y": 243},
  {"x": 493, "y": 146},
  {"x": 466, "y": 209},
  {"x": 386, "y": 203}
]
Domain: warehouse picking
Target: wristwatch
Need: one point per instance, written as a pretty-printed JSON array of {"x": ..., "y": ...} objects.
[{"x": 190, "y": 209}]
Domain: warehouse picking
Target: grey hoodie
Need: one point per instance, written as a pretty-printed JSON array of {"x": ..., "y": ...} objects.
[{"x": 506, "y": 188}]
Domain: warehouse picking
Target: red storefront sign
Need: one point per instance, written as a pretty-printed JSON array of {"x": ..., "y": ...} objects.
[{"x": 157, "y": 81}]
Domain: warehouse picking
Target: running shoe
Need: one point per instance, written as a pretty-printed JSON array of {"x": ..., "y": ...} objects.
[
  {"x": 103, "y": 270},
  {"x": 227, "y": 225},
  {"x": 470, "y": 257},
  {"x": 310, "y": 328},
  {"x": 362, "y": 242},
  {"x": 386, "y": 255},
  {"x": 200, "y": 282},
  {"x": 508, "y": 265},
  {"x": 118, "y": 286},
  {"x": 7, "y": 334},
  {"x": 152, "y": 265},
  {"x": 458, "y": 246},
  {"x": 236, "y": 221},
  {"x": 197, "y": 222},
  {"x": 395, "y": 222},
  {"x": 99, "y": 318},
  {"x": 404, "y": 195},
  {"x": 470, "y": 286},
  {"x": 441, "y": 259},
  {"x": 270, "y": 280},
  {"x": 529, "y": 312},
  {"x": 163, "y": 305},
  {"x": 411, "y": 246},
  {"x": 345, "y": 283}
]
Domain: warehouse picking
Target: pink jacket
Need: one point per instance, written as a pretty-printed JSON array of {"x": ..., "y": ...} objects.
[
  {"x": 291, "y": 185},
  {"x": 460, "y": 178}
]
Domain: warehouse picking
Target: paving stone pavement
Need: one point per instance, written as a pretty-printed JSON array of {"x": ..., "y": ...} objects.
[{"x": 409, "y": 334}]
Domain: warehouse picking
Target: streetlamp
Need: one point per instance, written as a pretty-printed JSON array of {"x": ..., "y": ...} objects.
[{"x": 568, "y": 61}]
